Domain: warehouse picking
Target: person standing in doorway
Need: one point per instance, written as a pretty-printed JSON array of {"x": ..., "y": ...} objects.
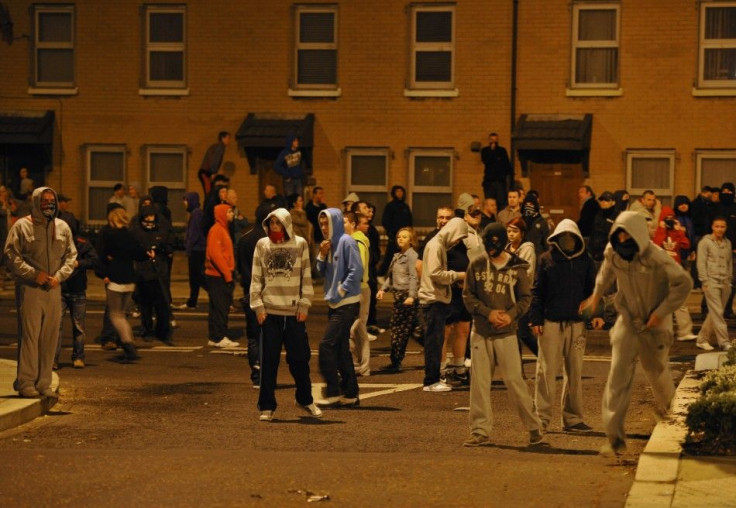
[{"x": 498, "y": 174}]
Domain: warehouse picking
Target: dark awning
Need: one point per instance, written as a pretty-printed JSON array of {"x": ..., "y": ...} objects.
[
  {"x": 553, "y": 138},
  {"x": 263, "y": 135},
  {"x": 27, "y": 127}
]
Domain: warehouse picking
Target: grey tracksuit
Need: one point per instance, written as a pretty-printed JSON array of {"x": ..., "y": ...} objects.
[
  {"x": 651, "y": 283},
  {"x": 715, "y": 268},
  {"x": 36, "y": 244}
]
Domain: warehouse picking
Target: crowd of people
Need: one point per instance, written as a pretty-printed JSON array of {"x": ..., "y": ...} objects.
[{"x": 490, "y": 277}]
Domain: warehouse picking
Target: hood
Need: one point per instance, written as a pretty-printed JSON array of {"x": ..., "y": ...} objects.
[
  {"x": 620, "y": 204},
  {"x": 351, "y": 197},
  {"x": 221, "y": 214},
  {"x": 666, "y": 210},
  {"x": 394, "y": 189},
  {"x": 192, "y": 200},
  {"x": 36, "y": 214},
  {"x": 160, "y": 194},
  {"x": 337, "y": 227},
  {"x": 454, "y": 231},
  {"x": 144, "y": 211},
  {"x": 635, "y": 225},
  {"x": 682, "y": 200},
  {"x": 284, "y": 217},
  {"x": 530, "y": 207},
  {"x": 143, "y": 199},
  {"x": 290, "y": 139},
  {"x": 568, "y": 226}
]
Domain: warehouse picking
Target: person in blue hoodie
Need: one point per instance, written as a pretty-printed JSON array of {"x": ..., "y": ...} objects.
[
  {"x": 195, "y": 245},
  {"x": 289, "y": 165},
  {"x": 339, "y": 263}
]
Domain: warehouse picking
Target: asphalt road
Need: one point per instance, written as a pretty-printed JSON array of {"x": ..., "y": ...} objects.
[{"x": 180, "y": 428}]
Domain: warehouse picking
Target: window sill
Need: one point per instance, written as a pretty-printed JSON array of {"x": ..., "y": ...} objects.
[
  {"x": 431, "y": 93},
  {"x": 53, "y": 91},
  {"x": 163, "y": 92},
  {"x": 315, "y": 93},
  {"x": 714, "y": 92},
  {"x": 594, "y": 92}
]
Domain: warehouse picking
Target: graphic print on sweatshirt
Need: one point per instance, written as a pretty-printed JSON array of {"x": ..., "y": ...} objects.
[
  {"x": 497, "y": 282},
  {"x": 293, "y": 159},
  {"x": 280, "y": 263}
]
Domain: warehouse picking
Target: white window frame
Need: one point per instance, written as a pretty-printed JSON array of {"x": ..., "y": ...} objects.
[
  {"x": 633, "y": 154},
  {"x": 151, "y": 150},
  {"x": 726, "y": 86},
  {"x": 413, "y": 153},
  {"x": 98, "y": 184},
  {"x": 431, "y": 88},
  {"x": 701, "y": 155},
  {"x": 315, "y": 90},
  {"x": 161, "y": 87},
  {"x": 53, "y": 87},
  {"x": 587, "y": 88}
]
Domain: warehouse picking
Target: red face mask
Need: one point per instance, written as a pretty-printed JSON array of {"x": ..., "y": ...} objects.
[{"x": 276, "y": 236}]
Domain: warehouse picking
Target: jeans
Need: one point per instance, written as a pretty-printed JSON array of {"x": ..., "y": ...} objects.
[
  {"x": 435, "y": 315},
  {"x": 292, "y": 334},
  {"x": 252, "y": 333},
  {"x": 76, "y": 303},
  {"x": 221, "y": 296},
  {"x": 334, "y": 352},
  {"x": 293, "y": 186},
  {"x": 196, "y": 276}
]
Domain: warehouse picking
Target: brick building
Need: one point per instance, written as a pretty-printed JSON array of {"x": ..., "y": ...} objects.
[{"x": 384, "y": 92}]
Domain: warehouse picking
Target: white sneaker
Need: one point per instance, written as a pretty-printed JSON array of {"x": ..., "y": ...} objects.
[
  {"x": 312, "y": 409},
  {"x": 372, "y": 337},
  {"x": 266, "y": 416},
  {"x": 225, "y": 343},
  {"x": 704, "y": 346},
  {"x": 689, "y": 336},
  {"x": 328, "y": 401},
  {"x": 726, "y": 346},
  {"x": 439, "y": 386}
]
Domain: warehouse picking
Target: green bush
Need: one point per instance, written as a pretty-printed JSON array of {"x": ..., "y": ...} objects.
[
  {"x": 712, "y": 418},
  {"x": 719, "y": 381}
]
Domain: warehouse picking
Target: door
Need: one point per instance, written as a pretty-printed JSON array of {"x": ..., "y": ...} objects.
[
  {"x": 558, "y": 186},
  {"x": 268, "y": 176}
]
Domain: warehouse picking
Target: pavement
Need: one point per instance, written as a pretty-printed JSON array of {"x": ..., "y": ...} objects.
[{"x": 664, "y": 478}]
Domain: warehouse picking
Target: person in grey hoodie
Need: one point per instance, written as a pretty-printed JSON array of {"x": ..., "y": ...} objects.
[
  {"x": 435, "y": 294},
  {"x": 715, "y": 273},
  {"x": 651, "y": 286},
  {"x": 497, "y": 293},
  {"x": 40, "y": 253},
  {"x": 564, "y": 279}
]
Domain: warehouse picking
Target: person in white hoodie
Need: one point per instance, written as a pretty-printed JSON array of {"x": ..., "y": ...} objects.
[
  {"x": 651, "y": 286},
  {"x": 280, "y": 296}
]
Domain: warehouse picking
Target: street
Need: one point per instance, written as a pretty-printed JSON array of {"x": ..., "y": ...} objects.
[{"x": 180, "y": 428}]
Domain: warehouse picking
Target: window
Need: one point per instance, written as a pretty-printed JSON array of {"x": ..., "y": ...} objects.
[
  {"x": 595, "y": 41},
  {"x": 53, "y": 47},
  {"x": 368, "y": 176},
  {"x": 165, "y": 47},
  {"x": 432, "y": 47},
  {"x": 717, "y": 59},
  {"x": 715, "y": 167},
  {"x": 316, "y": 48},
  {"x": 167, "y": 166},
  {"x": 430, "y": 181},
  {"x": 105, "y": 168},
  {"x": 653, "y": 170}
]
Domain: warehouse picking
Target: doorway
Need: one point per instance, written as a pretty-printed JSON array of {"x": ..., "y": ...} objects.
[{"x": 558, "y": 185}]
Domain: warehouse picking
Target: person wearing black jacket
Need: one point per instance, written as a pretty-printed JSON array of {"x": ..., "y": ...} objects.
[
  {"x": 245, "y": 250},
  {"x": 565, "y": 278},
  {"x": 727, "y": 210},
  {"x": 602, "y": 226},
  {"x": 74, "y": 294},
  {"x": 396, "y": 215},
  {"x": 588, "y": 208},
  {"x": 152, "y": 275}
]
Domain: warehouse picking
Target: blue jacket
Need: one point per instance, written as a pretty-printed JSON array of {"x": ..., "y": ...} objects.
[
  {"x": 343, "y": 269},
  {"x": 195, "y": 239},
  {"x": 289, "y": 162}
]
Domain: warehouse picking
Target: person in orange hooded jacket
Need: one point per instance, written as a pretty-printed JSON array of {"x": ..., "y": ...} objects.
[{"x": 219, "y": 267}]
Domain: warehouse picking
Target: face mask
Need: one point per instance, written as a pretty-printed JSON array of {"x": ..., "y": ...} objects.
[
  {"x": 50, "y": 211},
  {"x": 670, "y": 223},
  {"x": 627, "y": 249},
  {"x": 566, "y": 244},
  {"x": 726, "y": 198},
  {"x": 148, "y": 226},
  {"x": 276, "y": 236}
]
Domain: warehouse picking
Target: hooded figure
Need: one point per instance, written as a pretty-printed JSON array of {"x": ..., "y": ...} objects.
[
  {"x": 289, "y": 165},
  {"x": 396, "y": 215},
  {"x": 670, "y": 235},
  {"x": 219, "y": 268},
  {"x": 160, "y": 196},
  {"x": 537, "y": 229},
  {"x": 564, "y": 279},
  {"x": 40, "y": 253},
  {"x": 280, "y": 296},
  {"x": 651, "y": 286}
]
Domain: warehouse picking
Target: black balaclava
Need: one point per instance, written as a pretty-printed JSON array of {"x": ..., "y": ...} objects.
[
  {"x": 495, "y": 239},
  {"x": 628, "y": 249}
]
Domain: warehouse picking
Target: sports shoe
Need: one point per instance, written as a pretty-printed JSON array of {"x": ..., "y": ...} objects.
[
  {"x": 312, "y": 409},
  {"x": 78, "y": 363},
  {"x": 135, "y": 314},
  {"x": 328, "y": 401},
  {"x": 726, "y": 346},
  {"x": 578, "y": 427},
  {"x": 704, "y": 346},
  {"x": 349, "y": 401},
  {"x": 689, "y": 336},
  {"x": 372, "y": 337},
  {"x": 51, "y": 394},
  {"x": 183, "y": 306},
  {"x": 535, "y": 437},
  {"x": 617, "y": 447},
  {"x": 391, "y": 368},
  {"x": 439, "y": 386},
  {"x": 109, "y": 346},
  {"x": 266, "y": 416},
  {"x": 173, "y": 324},
  {"x": 224, "y": 343},
  {"x": 476, "y": 440}
]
